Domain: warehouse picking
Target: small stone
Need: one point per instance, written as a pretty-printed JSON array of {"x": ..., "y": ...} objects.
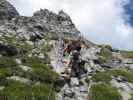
[
  {"x": 1, "y": 88},
  {"x": 74, "y": 81},
  {"x": 30, "y": 43},
  {"x": 21, "y": 79},
  {"x": 69, "y": 93},
  {"x": 130, "y": 86},
  {"x": 25, "y": 68},
  {"x": 30, "y": 55},
  {"x": 18, "y": 61},
  {"x": 41, "y": 56},
  {"x": 83, "y": 88},
  {"x": 60, "y": 82}
]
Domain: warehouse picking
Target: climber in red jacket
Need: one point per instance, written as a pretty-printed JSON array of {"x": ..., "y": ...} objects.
[{"x": 74, "y": 45}]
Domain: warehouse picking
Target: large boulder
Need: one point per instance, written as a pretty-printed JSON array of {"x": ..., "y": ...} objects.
[
  {"x": 8, "y": 50},
  {"x": 7, "y": 11}
]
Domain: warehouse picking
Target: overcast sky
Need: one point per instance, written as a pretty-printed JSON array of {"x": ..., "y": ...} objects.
[{"x": 101, "y": 21}]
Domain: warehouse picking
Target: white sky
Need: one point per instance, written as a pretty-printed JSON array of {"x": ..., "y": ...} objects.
[{"x": 101, "y": 21}]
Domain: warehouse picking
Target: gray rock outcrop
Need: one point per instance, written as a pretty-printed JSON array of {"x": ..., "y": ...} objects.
[{"x": 7, "y": 11}]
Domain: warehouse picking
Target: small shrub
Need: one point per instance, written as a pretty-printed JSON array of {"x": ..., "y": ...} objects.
[
  {"x": 104, "y": 92},
  {"x": 7, "y": 62},
  {"x": 124, "y": 73},
  {"x": 102, "y": 77},
  {"x": 131, "y": 97},
  {"x": 20, "y": 91},
  {"x": 4, "y": 72},
  {"x": 41, "y": 71},
  {"x": 23, "y": 48},
  {"x": 104, "y": 55},
  {"x": 28, "y": 61},
  {"x": 44, "y": 73},
  {"x": 47, "y": 47}
]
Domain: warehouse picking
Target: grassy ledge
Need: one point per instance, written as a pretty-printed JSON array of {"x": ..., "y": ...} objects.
[
  {"x": 102, "y": 77},
  {"x": 104, "y": 92},
  {"x": 127, "y": 54},
  {"x": 15, "y": 90}
]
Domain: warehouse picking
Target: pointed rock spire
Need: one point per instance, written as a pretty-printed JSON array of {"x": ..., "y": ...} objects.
[{"x": 63, "y": 14}]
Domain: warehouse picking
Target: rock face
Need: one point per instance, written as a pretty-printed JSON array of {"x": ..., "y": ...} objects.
[
  {"x": 7, "y": 10},
  {"x": 59, "y": 23},
  {"x": 42, "y": 22}
]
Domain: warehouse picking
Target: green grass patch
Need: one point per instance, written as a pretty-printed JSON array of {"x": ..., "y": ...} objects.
[
  {"x": 28, "y": 61},
  {"x": 7, "y": 62},
  {"x": 34, "y": 59},
  {"x": 102, "y": 77},
  {"x": 41, "y": 71},
  {"x": 4, "y": 72},
  {"x": 23, "y": 48},
  {"x": 131, "y": 97},
  {"x": 10, "y": 38},
  {"x": 19, "y": 91},
  {"x": 106, "y": 76},
  {"x": 44, "y": 73},
  {"x": 127, "y": 54},
  {"x": 104, "y": 92},
  {"x": 124, "y": 73}
]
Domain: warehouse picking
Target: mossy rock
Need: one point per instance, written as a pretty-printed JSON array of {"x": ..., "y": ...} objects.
[
  {"x": 104, "y": 92},
  {"x": 104, "y": 55}
]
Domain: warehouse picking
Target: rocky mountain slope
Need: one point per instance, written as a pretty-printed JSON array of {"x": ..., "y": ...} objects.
[{"x": 31, "y": 54}]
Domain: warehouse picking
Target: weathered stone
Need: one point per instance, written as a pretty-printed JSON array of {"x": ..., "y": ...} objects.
[
  {"x": 25, "y": 68},
  {"x": 74, "y": 81},
  {"x": 7, "y": 10},
  {"x": 18, "y": 61},
  {"x": 21, "y": 79},
  {"x": 8, "y": 50},
  {"x": 60, "y": 82},
  {"x": 128, "y": 61},
  {"x": 124, "y": 88}
]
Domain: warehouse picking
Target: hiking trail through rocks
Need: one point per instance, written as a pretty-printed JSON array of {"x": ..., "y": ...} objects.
[{"x": 77, "y": 89}]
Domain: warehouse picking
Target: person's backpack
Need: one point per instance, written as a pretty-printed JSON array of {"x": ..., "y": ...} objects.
[
  {"x": 75, "y": 55},
  {"x": 78, "y": 46}
]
